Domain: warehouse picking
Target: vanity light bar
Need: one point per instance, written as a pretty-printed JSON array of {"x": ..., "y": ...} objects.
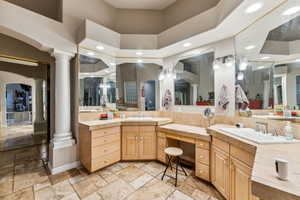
[{"x": 229, "y": 61}]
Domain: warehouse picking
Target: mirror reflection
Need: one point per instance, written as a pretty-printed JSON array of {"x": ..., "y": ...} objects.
[
  {"x": 97, "y": 84},
  {"x": 194, "y": 84},
  {"x": 256, "y": 81},
  {"x": 138, "y": 86},
  {"x": 268, "y": 66}
]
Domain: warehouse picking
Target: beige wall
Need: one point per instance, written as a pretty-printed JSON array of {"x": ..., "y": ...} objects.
[
  {"x": 132, "y": 21},
  {"x": 48, "y": 8},
  {"x": 139, "y": 21},
  {"x": 75, "y": 11},
  {"x": 175, "y": 13},
  {"x": 13, "y": 47}
]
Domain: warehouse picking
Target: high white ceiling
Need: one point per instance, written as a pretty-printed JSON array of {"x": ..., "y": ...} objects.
[{"x": 141, "y": 4}]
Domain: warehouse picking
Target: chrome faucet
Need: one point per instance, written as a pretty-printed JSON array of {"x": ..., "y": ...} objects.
[{"x": 262, "y": 127}]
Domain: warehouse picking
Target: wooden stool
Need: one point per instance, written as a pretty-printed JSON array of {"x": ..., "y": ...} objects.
[{"x": 173, "y": 152}]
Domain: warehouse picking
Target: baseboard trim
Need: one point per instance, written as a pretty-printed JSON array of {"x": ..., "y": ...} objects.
[{"x": 64, "y": 168}]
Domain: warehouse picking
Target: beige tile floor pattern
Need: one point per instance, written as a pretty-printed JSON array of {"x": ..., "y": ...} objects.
[
  {"x": 14, "y": 137},
  {"x": 23, "y": 177}
]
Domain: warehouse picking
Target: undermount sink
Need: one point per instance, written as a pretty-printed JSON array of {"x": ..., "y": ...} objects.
[{"x": 257, "y": 137}]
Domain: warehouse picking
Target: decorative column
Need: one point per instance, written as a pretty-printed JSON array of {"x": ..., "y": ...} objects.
[
  {"x": 62, "y": 134},
  {"x": 39, "y": 121},
  {"x": 195, "y": 93},
  {"x": 62, "y": 150}
]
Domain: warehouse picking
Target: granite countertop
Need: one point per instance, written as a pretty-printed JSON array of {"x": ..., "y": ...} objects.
[
  {"x": 97, "y": 124},
  {"x": 265, "y": 183},
  {"x": 195, "y": 131}
]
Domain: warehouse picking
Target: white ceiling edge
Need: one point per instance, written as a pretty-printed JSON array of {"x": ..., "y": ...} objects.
[
  {"x": 141, "y": 4},
  {"x": 285, "y": 51},
  {"x": 235, "y": 22}
]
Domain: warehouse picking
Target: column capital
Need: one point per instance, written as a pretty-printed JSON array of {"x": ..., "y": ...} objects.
[{"x": 61, "y": 54}]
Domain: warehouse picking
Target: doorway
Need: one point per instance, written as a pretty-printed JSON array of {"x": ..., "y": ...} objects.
[{"x": 24, "y": 111}]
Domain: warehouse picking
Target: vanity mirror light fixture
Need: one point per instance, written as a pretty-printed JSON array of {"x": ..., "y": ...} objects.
[
  {"x": 167, "y": 74},
  {"x": 243, "y": 64},
  {"x": 240, "y": 76},
  {"x": 229, "y": 61}
]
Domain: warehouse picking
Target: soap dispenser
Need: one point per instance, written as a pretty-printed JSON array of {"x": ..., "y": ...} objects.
[{"x": 288, "y": 131}]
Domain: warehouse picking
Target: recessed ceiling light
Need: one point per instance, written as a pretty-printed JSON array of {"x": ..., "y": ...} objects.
[
  {"x": 139, "y": 53},
  {"x": 265, "y": 57},
  {"x": 291, "y": 11},
  {"x": 250, "y": 47},
  {"x": 139, "y": 61},
  {"x": 187, "y": 44},
  {"x": 91, "y": 53},
  {"x": 254, "y": 7},
  {"x": 99, "y": 47}
]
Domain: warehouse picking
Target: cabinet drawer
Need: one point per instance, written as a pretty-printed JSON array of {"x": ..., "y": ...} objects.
[
  {"x": 202, "y": 156},
  {"x": 104, "y": 161},
  {"x": 105, "y": 132},
  {"x": 99, "y": 141},
  {"x": 202, "y": 171},
  {"x": 224, "y": 146},
  {"x": 242, "y": 155},
  {"x": 161, "y": 143},
  {"x": 105, "y": 149},
  {"x": 202, "y": 144},
  {"x": 181, "y": 138}
]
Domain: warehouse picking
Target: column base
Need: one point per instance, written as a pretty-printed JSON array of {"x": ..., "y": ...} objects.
[{"x": 62, "y": 156}]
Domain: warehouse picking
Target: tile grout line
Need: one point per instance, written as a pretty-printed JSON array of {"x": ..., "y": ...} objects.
[{"x": 74, "y": 188}]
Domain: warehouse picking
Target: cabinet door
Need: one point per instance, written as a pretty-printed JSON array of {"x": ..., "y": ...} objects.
[
  {"x": 130, "y": 136},
  {"x": 240, "y": 181},
  {"x": 220, "y": 171},
  {"x": 147, "y": 142}
]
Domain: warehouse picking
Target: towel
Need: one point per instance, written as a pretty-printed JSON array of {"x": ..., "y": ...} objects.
[
  {"x": 241, "y": 99},
  {"x": 167, "y": 100},
  {"x": 223, "y": 99}
]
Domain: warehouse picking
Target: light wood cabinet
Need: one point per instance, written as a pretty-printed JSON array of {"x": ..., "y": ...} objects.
[
  {"x": 130, "y": 149},
  {"x": 138, "y": 143},
  {"x": 202, "y": 160},
  {"x": 240, "y": 181},
  {"x": 161, "y": 146},
  {"x": 99, "y": 148},
  {"x": 147, "y": 143},
  {"x": 220, "y": 171}
]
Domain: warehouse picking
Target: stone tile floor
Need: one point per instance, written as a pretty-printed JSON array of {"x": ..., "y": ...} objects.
[
  {"x": 14, "y": 137},
  {"x": 23, "y": 177}
]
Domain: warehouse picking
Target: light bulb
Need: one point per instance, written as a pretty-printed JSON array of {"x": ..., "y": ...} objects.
[
  {"x": 240, "y": 76},
  {"x": 243, "y": 64}
]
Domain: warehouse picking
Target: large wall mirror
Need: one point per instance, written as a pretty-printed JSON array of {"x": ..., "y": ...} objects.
[
  {"x": 257, "y": 83},
  {"x": 194, "y": 83},
  {"x": 97, "y": 84},
  {"x": 268, "y": 65},
  {"x": 138, "y": 86}
]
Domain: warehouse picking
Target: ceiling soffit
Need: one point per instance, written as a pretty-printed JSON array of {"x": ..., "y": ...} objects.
[{"x": 141, "y": 4}]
